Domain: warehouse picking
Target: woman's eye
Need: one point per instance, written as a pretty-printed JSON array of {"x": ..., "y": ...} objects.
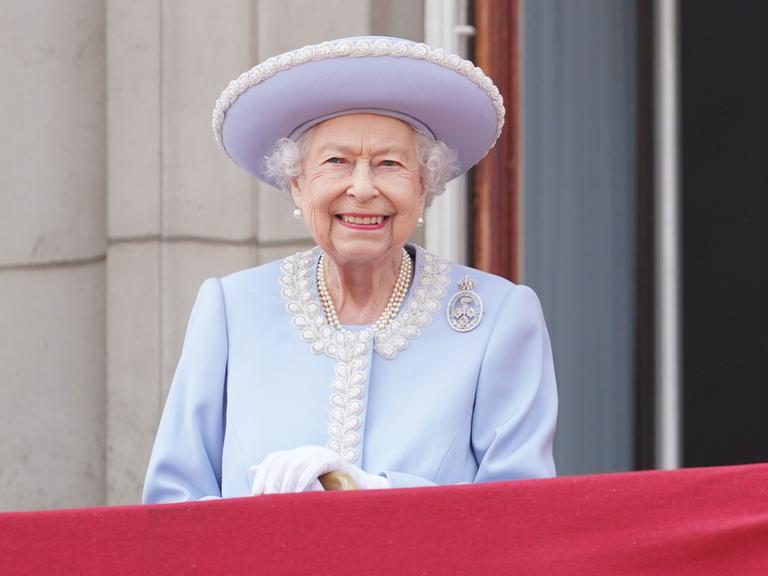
[
  {"x": 335, "y": 160},
  {"x": 389, "y": 163}
]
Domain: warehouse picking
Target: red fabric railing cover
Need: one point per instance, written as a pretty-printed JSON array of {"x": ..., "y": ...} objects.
[{"x": 697, "y": 521}]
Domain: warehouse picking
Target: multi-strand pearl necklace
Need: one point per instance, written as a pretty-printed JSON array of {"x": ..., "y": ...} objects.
[{"x": 392, "y": 307}]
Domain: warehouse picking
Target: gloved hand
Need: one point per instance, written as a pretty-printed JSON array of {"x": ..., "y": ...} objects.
[{"x": 298, "y": 470}]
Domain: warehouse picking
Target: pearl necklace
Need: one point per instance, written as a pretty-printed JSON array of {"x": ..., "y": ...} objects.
[{"x": 392, "y": 307}]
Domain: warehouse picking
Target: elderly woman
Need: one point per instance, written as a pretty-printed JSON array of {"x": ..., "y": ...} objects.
[{"x": 365, "y": 355}]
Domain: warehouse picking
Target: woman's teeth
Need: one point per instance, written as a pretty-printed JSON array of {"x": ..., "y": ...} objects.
[{"x": 362, "y": 219}]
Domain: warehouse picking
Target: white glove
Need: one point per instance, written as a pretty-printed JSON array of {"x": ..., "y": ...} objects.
[{"x": 298, "y": 470}]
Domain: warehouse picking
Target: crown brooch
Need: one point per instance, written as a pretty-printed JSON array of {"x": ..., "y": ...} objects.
[{"x": 465, "y": 308}]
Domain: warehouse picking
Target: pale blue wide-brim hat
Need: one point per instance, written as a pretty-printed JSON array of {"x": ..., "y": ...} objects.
[{"x": 439, "y": 93}]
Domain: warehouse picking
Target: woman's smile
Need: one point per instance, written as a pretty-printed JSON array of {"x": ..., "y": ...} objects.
[{"x": 359, "y": 221}]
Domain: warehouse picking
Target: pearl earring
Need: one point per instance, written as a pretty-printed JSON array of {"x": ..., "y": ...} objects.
[
  {"x": 297, "y": 213},
  {"x": 420, "y": 222}
]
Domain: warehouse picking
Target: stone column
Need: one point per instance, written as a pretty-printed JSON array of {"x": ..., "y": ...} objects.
[
  {"x": 179, "y": 209},
  {"x": 52, "y": 244}
]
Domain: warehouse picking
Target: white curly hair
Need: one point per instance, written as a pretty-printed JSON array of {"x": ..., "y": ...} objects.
[{"x": 438, "y": 163}]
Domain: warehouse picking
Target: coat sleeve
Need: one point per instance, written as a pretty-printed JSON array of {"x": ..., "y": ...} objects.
[
  {"x": 515, "y": 411},
  {"x": 513, "y": 423},
  {"x": 186, "y": 458}
]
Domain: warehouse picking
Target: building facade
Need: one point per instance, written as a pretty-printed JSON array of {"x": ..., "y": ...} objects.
[{"x": 116, "y": 203}]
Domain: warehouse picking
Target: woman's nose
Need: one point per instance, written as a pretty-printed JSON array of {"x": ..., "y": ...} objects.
[{"x": 362, "y": 186}]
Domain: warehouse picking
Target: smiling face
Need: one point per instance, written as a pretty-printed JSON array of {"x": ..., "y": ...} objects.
[{"x": 360, "y": 189}]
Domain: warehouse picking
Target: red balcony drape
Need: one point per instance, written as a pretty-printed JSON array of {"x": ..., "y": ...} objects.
[{"x": 690, "y": 522}]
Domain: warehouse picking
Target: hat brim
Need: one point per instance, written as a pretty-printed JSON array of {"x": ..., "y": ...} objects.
[{"x": 454, "y": 102}]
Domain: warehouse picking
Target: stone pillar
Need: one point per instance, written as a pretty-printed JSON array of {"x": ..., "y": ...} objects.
[
  {"x": 52, "y": 244},
  {"x": 179, "y": 210}
]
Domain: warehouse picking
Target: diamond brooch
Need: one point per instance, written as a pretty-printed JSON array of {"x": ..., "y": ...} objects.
[{"x": 465, "y": 308}]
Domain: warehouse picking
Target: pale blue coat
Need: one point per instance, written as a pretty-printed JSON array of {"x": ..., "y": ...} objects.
[{"x": 259, "y": 360}]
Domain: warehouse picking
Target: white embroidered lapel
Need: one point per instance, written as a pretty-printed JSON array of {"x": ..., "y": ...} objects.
[{"x": 350, "y": 349}]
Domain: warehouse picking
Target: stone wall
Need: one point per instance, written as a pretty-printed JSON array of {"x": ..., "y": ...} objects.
[
  {"x": 52, "y": 254},
  {"x": 116, "y": 204}
]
